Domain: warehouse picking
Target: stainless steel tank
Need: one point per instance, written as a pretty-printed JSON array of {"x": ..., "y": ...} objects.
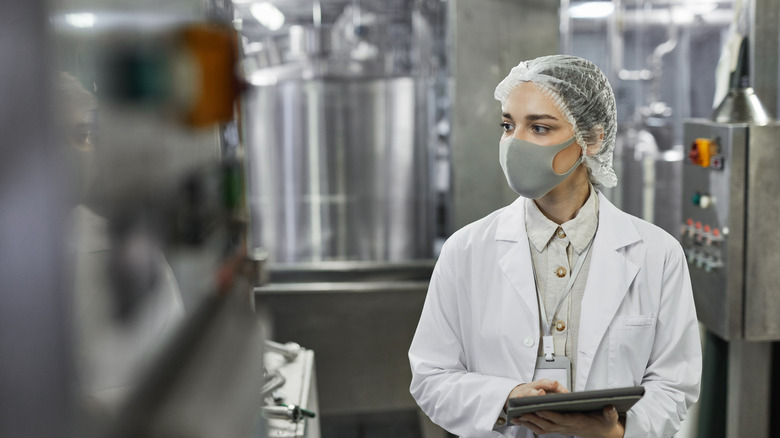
[{"x": 340, "y": 169}]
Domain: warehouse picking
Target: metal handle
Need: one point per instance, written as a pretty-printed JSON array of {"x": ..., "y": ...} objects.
[
  {"x": 273, "y": 383},
  {"x": 289, "y": 350},
  {"x": 292, "y": 413}
]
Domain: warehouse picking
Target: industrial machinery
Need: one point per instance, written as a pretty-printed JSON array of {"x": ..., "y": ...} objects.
[
  {"x": 730, "y": 212},
  {"x": 339, "y": 128},
  {"x": 343, "y": 121}
]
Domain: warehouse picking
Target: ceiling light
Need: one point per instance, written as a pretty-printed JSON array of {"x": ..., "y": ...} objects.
[
  {"x": 591, "y": 10},
  {"x": 268, "y": 15},
  {"x": 81, "y": 20}
]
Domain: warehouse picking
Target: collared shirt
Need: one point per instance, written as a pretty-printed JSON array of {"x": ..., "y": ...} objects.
[{"x": 555, "y": 250}]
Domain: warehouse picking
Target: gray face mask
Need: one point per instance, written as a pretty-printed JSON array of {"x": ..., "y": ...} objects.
[{"x": 528, "y": 166}]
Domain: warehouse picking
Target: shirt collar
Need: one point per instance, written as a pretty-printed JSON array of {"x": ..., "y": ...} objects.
[
  {"x": 580, "y": 230},
  {"x": 539, "y": 227}
]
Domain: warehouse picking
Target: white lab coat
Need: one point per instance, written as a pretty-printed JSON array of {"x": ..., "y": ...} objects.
[{"x": 478, "y": 335}]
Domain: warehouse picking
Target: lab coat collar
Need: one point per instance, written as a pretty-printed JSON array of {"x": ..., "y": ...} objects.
[
  {"x": 620, "y": 231},
  {"x": 616, "y": 228},
  {"x": 511, "y": 223},
  {"x": 516, "y": 262}
]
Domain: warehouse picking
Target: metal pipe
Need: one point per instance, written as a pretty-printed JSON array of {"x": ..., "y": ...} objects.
[
  {"x": 275, "y": 382},
  {"x": 292, "y": 413},
  {"x": 764, "y": 49},
  {"x": 657, "y": 61},
  {"x": 615, "y": 42},
  {"x": 289, "y": 350},
  {"x": 565, "y": 27}
]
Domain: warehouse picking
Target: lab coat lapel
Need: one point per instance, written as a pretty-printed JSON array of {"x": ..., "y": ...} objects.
[
  {"x": 516, "y": 262},
  {"x": 609, "y": 278}
]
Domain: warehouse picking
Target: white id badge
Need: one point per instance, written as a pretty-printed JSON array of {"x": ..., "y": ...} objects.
[{"x": 559, "y": 369}]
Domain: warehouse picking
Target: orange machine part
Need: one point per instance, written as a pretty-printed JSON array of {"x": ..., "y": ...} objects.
[
  {"x": 215, "y": 52},
  {"x": 702, "y": 151}
]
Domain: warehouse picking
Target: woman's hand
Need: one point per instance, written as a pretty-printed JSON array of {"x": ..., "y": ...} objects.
[
  {"x": 537, "y": 387},
  {"x": 596, "y": 425}
]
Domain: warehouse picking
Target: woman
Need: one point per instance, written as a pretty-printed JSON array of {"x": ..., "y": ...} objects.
[{"x": 559, "y": 275}]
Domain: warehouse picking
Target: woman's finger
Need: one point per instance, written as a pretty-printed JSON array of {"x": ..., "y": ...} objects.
[
  {"x": 541, "y": 423},
  {"x": 553, "y": 417},
  {"x": 610, "y": 414},
  {"x": 533, "y": 428}
]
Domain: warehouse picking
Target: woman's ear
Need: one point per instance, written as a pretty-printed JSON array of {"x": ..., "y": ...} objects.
[{"x": 598, "y": 135}]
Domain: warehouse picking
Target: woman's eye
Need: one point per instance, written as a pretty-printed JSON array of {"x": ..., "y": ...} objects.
[
  {"x": 507, "y": 126},
  {"x": 537, "y": 129}
]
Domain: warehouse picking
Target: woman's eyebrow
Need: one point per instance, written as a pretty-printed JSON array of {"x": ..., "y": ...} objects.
[
  {"x": 535, "y": 117},
  {"x": 507, "y": 116}
]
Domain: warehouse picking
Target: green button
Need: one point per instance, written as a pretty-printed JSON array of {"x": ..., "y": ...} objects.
[{"x": 696, "y": 198}]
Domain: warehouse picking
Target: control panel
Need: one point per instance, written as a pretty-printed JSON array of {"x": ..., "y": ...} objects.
[
  {"x": 730, "y": 217},
  {"x": 702, "y": 241},
  {"x": 711, "y": 229}
]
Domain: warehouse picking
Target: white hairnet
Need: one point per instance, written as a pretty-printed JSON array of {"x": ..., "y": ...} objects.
[{"x": 583, "y": 95}]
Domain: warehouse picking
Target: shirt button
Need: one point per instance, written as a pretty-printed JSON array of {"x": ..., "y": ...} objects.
[
  {"x": 561, "y": 233},
  {"x": 528, "y": 342},
  {"x": 560, "y": 326},
  {"x": 500, "y": 421},
  {"x": 560, "y": 272}
]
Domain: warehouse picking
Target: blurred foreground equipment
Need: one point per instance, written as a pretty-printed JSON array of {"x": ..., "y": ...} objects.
[{"x": 207, "y": 384}]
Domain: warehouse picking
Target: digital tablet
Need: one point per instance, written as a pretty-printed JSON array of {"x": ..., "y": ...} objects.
[{"x": 585, "y": 401}]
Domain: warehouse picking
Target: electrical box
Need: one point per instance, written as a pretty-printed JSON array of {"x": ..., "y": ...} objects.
[{"x": 731, "y": 216}]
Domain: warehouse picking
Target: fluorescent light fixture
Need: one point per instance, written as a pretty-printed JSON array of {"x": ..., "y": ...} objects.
[
  {"x": 268, "y": 15},
  {"x": 81, "y": 20},
  {"x": 701, "y": 8},
  {"x": 591, "y": 10},
  {"x": 681, "y": 15}
]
